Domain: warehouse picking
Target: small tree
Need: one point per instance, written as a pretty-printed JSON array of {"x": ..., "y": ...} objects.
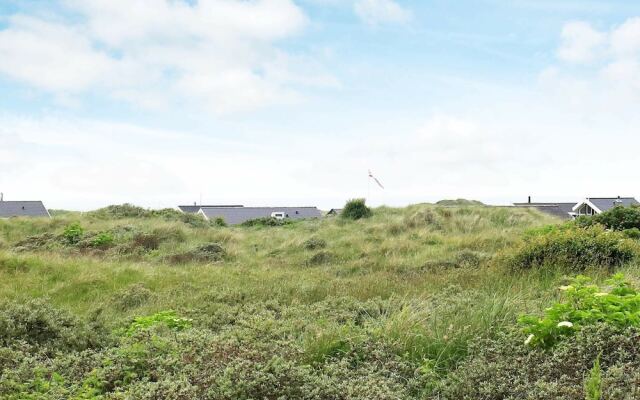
[{"x": 356, "y": 209}]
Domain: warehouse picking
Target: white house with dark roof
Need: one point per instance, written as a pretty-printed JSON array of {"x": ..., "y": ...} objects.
[
  {"x": 588, "y": 206},
  {"x": 597, "y": 205},
  {"x": 9, "y": 209}
]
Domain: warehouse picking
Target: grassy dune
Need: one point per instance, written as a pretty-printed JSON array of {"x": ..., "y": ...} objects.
[{"x": 423, "y": 282}]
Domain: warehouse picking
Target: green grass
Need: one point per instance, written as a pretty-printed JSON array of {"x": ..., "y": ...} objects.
[{"x": 395, "y": 278}]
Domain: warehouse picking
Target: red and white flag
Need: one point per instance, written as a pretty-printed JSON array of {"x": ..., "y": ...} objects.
[{"x": 375, "y": 179}]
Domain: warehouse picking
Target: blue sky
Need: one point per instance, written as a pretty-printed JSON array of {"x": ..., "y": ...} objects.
[{"x": 158, "y": 102}]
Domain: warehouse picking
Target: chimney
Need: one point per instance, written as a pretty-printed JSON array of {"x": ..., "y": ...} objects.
[{"x": 529, "y": 200}]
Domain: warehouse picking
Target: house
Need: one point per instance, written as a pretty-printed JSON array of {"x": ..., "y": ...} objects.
[
  {"x": 10, "y": 209},
  {"x": 589, "y": 206},
  {"x": 194, "y": 209},
  {"x": 334, "y": 211},
  {"x": 597, "y": 205},
  {"x": 236, "y": 215}
]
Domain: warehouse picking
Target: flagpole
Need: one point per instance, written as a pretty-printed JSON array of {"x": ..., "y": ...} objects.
[{"x": 368, "y": 188}]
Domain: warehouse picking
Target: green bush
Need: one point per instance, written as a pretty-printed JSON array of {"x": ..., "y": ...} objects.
[
  {"x": 38, "y": 324},
  {"x": 73, "y": 233},
  {"x": 164, "y": 318},
  {"x": 219, "y": 221},
  {"x": 574, "y": 249},
  {"x": 267, "y": 221},
  {"x": 617, "y": 218},
  {"x": 102, "y": 240},
  {"x": 356, "y": 209},
  {"x": 633, "y": 233},
  {"x": 502, "y": 368},
  {"x": 585, "y": 304}
]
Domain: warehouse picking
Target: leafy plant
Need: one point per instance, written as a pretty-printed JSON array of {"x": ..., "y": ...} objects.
[
  {"x": 593, "y": 383},
  {"x": 102, "y": 240},
  {"x": 584, "y": 304},
  {"x": 356, "y": 209},
  {"x": 73, "y": 233},
  {"x": 166, "y": 318}
]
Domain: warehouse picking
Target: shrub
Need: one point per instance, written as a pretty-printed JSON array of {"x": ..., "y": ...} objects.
[
  {"x": 102, "y": 240},
  {"x": 356, "y": 209},
  {"x": 617, "y": 218},
  {"x": 633, "y": 233},
  {"x": 210, "y": 252},
  {"x": 131, "y": 297},
  {"x": 502, "y": 368},
  {"x": 37, "y": 242},
  {"x": 165, "y": 318},
  {"x": 574, "y": 249},
  {"x": 73, "y": 233},
  {"x": 146, "y": 241},
  {"x": 120, "y": 211},
  {"x": 585, "y": 304},
  {"x": 314, "y": 244},
  {"x": 219, "y": 221},
  {"x": 170, "y": 234},
  {"x": 267, "y": 221},
  {"x": 320, "y": 258},
  {"x": 39, "y": 324}
]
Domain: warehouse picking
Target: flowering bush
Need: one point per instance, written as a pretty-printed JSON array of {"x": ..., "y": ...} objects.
[{"x": 585, "y": 304}]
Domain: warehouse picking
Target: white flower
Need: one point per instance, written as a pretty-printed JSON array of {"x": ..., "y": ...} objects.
[
  {"x": 565, "y": 324},
  {"x": 529, "y": 339},
  {"x": 565, "y": 287}
]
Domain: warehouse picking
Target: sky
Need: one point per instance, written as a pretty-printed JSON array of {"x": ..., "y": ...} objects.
[{"x": 292, "y": 102}]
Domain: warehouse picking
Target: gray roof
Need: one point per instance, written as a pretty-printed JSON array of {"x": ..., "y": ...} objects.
[
  {"x": 560, "y": 210},
  {"x": 607, "y": 203},
  {"x": 194, "y": 209},
  {"x": 238, "y": 215},
  {"x": 22, "y": 209}
]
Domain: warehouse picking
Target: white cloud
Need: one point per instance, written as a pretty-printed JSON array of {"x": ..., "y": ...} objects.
[
  {"x": 580, "y": 42},
  {"x": 219, "y": 53},
  {"x": 611, "y": 58},
  {"x": 378, "y": 12}
]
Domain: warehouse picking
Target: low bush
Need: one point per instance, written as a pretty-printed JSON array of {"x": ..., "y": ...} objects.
[
  {"x": 146, "y": 241},
  {"x": 168, "y": 319},
  {"x": 633, "y": 233},
  {"x": 617, "y": 305},
  {"x": 131, "y": 297},
  {"x": 574, "y": 249},
  {"x": 321, "y": 258},
  {"x": 102, "y": 240},
  {"x": 43, "y": 241},
  {"x": 267, "y": 221},
  {"x": 46, "y": 327},
  {"x": 356, "y": 209},
  {"x": 73, "y": 233},
  {"x": 120, "y": 211},
  {"x": 616, "y": 218},
  {"x": 206, "y": 253},
  {"x": 314, "y": 243},
  {"x": 503, "y": 368}
]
